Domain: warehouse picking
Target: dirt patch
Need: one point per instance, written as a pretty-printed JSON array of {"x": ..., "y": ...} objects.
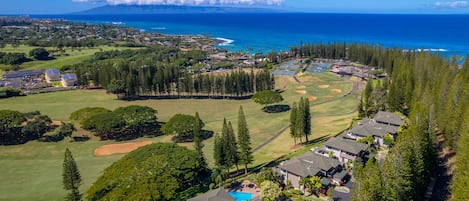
[
  {"x": 56, "y": 123},
  {"x": 301, "y": 87},
  {"x": 323, "y": 86},
  {"x": 312, "y": 98},
  {"x": 336, "y": 91},
  {"x": 301, "y": 91},
  {"x": 110, "y": 149}
]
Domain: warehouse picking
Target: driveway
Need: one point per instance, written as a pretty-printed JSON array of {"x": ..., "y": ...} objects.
[{"x": 339, "y": 196}]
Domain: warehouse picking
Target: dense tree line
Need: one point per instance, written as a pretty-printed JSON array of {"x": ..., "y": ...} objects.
[
  {"x": 19, "y": 128},
  {"x": 154, "y": 172},
  {"x": 124, "y": 123},
  {"x": 300, "y": 120},
  {"x": 13, "y": 58},
  {"x": 163, "y": 72},
  {"x": 432, "y": 91}
]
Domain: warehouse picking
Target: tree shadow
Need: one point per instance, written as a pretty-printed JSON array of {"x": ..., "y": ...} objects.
[
  {"x": 276, "y": 108},
  {"x": 205, "y": 134}
]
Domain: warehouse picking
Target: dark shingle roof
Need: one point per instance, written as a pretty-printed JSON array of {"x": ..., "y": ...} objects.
[
  {"x": 22, "y": 73},
  {"x": 309, "y": 164},
  {"x": 373, "y": 129},
  {"x": 346, "y": 145},
  {"x": 216, "y": 195},
  {"x": 340, "y": 175},
  {"x": 389, "y": 118},
  {"x": 69, "y": 76},
  {"x": 52, "y": 72}
]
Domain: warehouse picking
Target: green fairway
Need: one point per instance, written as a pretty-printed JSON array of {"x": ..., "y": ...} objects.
[
  {"x": 33, "y": 171},
  {"x": 70, "y": 57}
]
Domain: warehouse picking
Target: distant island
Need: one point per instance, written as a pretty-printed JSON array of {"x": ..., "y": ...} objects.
[{"x": 169, "y": 9}]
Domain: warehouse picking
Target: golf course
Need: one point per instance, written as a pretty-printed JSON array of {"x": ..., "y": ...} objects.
[{"x": 37, "y": 166}]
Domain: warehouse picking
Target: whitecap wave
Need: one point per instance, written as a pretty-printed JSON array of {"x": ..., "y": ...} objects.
[
  {"x": 432, "y": 50},
  {"x": 427, "y": 50},
  {"x": 159, "y": 28},
  {"x": 225, "y": 41},
  {"x": 117, "y": 23}
]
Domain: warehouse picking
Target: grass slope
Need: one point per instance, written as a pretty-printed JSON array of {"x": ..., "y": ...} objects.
[
  {"x": 33, "y": 171},
  {"x": 73, "y": 56}
]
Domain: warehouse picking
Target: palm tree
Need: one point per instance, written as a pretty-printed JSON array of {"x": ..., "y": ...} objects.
[{"x": 218, "y": 175}]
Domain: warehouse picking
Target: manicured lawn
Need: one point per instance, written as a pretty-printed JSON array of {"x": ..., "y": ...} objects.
[
  {"x": 74, "y": 56},
  {"x": 33, "y": 171}
]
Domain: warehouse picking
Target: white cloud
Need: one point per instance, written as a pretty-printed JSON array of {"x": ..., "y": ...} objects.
[
  {"x": 451, "y": 4},
  {"x": 187, "y": 2}
]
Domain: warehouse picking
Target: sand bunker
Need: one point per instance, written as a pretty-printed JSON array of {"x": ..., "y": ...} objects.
[
  {"x": 312, "y": 98},
  {"x": 301, "y": 87},
  {"x": 301, "y": 91},
  {"x": 110, "y": 149},
  {"x": 336, "y": 91},
  {"x": 324, "y": 86}
]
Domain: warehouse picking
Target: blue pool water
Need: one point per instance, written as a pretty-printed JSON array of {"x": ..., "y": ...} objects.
[{"x": 241, "y": 196}]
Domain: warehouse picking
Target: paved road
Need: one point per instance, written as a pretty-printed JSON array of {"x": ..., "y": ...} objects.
[{"x": 339, "y": 196}]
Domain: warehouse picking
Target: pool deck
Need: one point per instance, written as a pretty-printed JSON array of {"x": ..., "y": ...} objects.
[{"x": 248, "y": 187}]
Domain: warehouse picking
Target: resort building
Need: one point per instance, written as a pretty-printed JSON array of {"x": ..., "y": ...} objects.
[
  {"x": 52, "y": 75},
  {"x": 383, "y": 123},
  {"x": 22, "y": 74},
  {"x": 389, "y": 118},
  {"x": 69, "y": 80},
  {"x": 308, "y": 165},
  {"x": 342, "y": 149},
  {"x": 215, "y": 195}
]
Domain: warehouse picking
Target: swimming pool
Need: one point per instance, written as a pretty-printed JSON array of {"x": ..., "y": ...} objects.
[{"x": 241, "y": 196}]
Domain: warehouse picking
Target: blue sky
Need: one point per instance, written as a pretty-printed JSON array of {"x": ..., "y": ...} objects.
[{"x": 335, "y": 6}]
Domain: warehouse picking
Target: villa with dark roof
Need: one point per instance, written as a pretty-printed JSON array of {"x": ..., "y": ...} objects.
[
  {"x": 389, "y": 118},
  {"x": 218, "y": 194},
  {"x": 308, "y": 165},
  {"x": 69, "y": 80},
  {"x": 343, "y": 149},
  {"x": 369, "y": 127},
  {"x": 52, "y": 75}
]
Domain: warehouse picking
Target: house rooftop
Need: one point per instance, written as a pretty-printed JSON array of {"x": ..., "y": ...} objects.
[
  {"x": 389, "y": 118},
  {"x": 372, "y": 128},
  {"x": 349, "y": 146},
  {"x": 22, "y": 73},
  {"x": 309, "y": 164},
  {"x": 52, "y": 72},
  {"x": 69, "y": 76},
  {"x": 215, "y": 195}
]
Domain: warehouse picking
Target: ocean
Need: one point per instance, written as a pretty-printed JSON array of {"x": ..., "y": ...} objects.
[{"x": 448, "y": 34}]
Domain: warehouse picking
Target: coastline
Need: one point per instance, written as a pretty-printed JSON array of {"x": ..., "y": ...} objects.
[{"x": 263, "y": 33}]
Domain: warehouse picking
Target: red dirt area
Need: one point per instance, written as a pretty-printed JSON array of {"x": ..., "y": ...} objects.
[
  {"x": 301, "y": 91},
  {"x": 323, "y": 86},
  {"x": 312, "y": 98},
  {"x": 336, "y": 91},
  {"x": 110, "y": 149}
]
